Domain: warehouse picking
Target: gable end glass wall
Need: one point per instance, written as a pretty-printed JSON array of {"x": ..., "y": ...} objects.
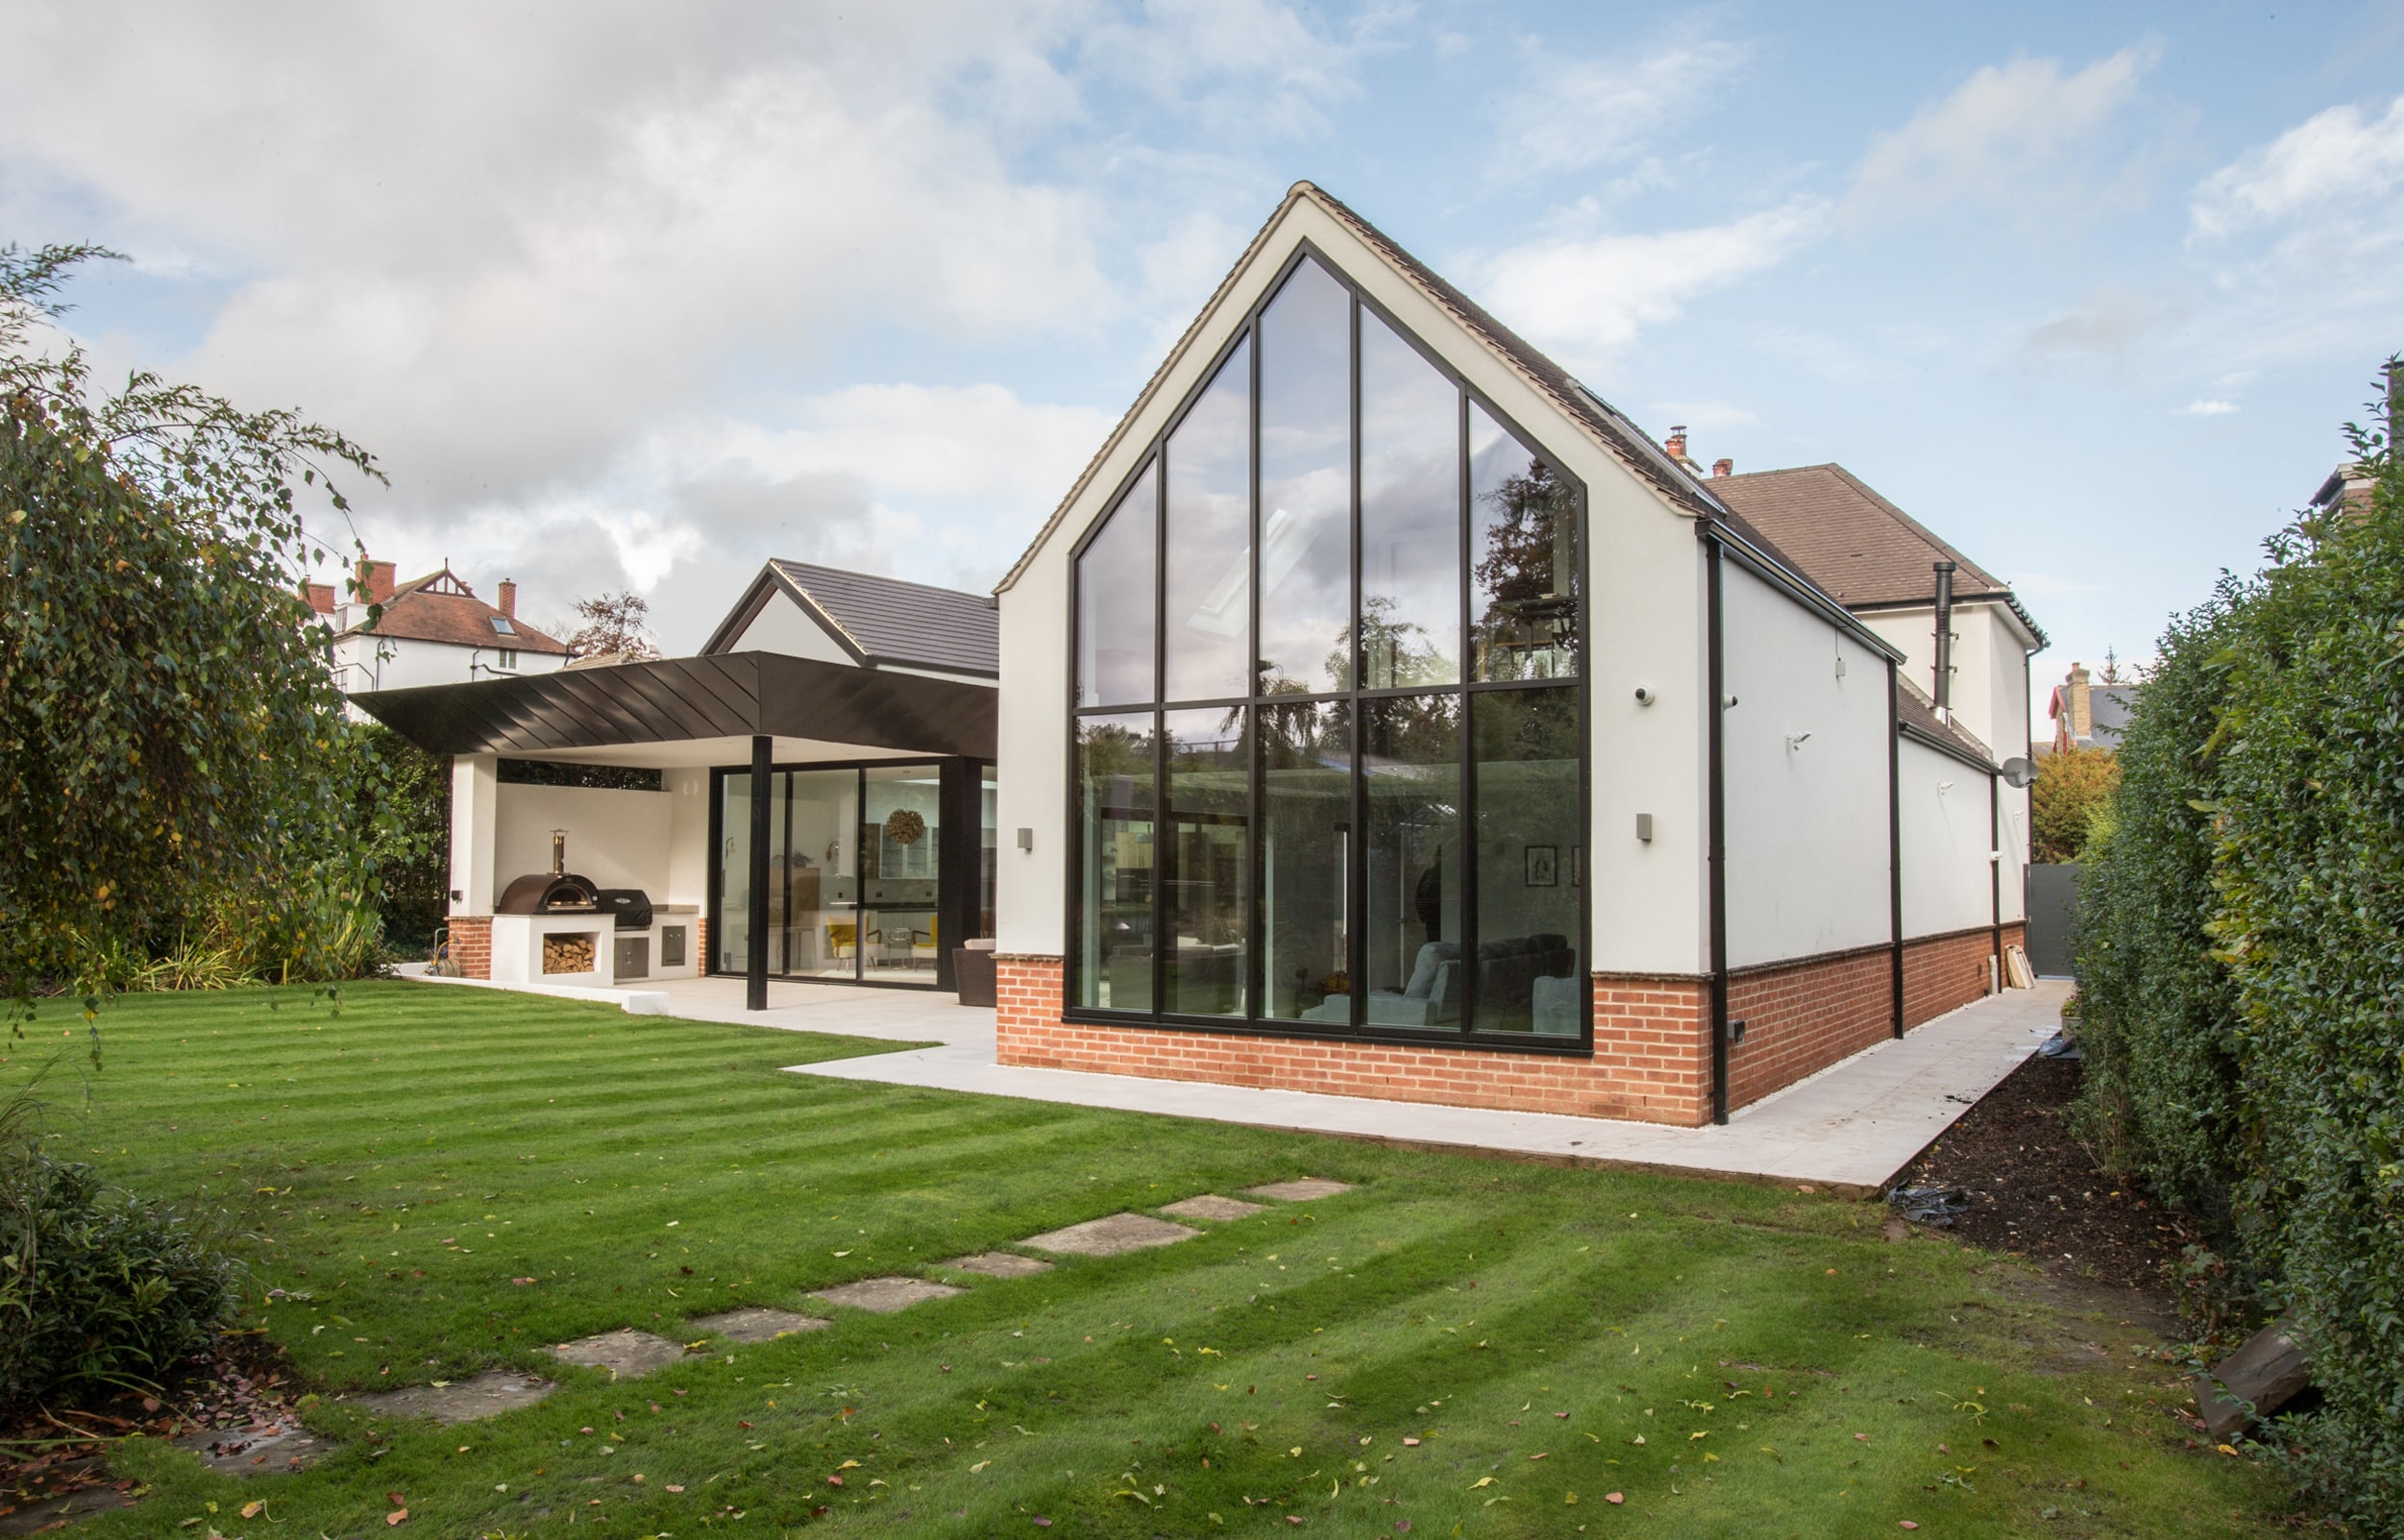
[{"x": 1328, "y": 752}]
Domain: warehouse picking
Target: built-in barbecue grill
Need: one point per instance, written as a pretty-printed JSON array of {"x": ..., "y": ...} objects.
[{"x": 556, "y": 891}]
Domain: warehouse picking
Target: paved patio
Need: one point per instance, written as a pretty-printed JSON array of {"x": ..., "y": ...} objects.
[{"x": 1849, "y": 1129}]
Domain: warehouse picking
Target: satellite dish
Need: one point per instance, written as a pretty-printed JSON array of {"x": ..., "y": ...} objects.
[{"x": 2019, "y": 772}]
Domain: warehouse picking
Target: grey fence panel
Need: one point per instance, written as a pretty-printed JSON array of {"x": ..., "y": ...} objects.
[{"x": 2052, "y": 917}]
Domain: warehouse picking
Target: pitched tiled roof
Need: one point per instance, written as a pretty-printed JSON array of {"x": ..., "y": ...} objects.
[
  {"x": 420, "y": 611},
  {"x": 1916, "y": 713},
  {"x": 1853, "y": 542},
  {"x": 878, "y": 619},
  {"x": 1627, "y": 442}
]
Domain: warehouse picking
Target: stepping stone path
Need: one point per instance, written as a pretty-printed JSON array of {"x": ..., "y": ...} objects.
[
  {"x": 997, "y": 1265},
  {"x": 883, "y": 1296},
  {"x": 263, "y": 1449},
  {"x": 625, "y": 1352},
  {"x": 465, "y": 1401},
  {"x": 1111, "y": 1237},
  {"x": 1211, "y": 1206},
  {"x": 35, "y": 1515},
  {"x": 753, "y": 1324},
  {"x": 1303, "y": 1190}
]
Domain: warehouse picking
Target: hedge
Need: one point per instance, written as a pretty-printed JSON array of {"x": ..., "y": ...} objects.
[{"x": 2241, "y": 961}]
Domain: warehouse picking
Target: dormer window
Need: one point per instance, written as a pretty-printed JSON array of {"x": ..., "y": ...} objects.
[{"x": 501, "y": 624}]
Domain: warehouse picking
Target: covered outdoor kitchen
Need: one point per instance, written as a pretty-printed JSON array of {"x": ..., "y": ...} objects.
[{"x": 745, "y": 813}]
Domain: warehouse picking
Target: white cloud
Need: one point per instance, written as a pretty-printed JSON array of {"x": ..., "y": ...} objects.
[
  {"x": 2207, "y": 408},
  {"x": 1569, "y": 113},
  {"x": 2112, "y": 326},
  {"x": 2303, "y": 238},
  {"x": 2019, "y": 137},
  {"x": 2334, "y": 164},
  {"x": 1589, "y": 297}
]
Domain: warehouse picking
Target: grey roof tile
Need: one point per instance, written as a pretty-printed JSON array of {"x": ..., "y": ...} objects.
[{"x": 895, "y": 620}]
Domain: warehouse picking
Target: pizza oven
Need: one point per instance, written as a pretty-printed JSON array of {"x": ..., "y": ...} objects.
[{"x": 556, "y": 891}]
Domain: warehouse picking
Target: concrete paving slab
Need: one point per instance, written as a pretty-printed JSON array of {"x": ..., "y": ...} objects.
[
  {"x": 997, "y": 1265},
  {"x": 883, "y": 1296},
  {"x": 24, "y": 1514},
  {"x": 757, "y": 1324},
  {"x": 263, "y": 1449},
  {"x": 625, "y": 1352},
  {"x": 465, "y": 1401},
  {"x": 1112, "y": 1236},
  {"x": 1847, "y": 1130},
  {"x": 1211, "y": 1206},
  {"x": 1305, "y": 1189}
]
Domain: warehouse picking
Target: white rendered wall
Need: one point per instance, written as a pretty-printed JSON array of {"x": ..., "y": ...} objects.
[
  {"x": 371, "y": 662},
  {"x": 1030, "y": 765},
  {"x": 1645, "y": 628},
  {"x": 1807, "y": 860},
  {"x": 688, "y": 837},
  {"x": 783, "y": 627},
  {"x": 615, "y": 838},
  {"x": 474, "y": 793},
  {"x": 1943, "y": 804}
]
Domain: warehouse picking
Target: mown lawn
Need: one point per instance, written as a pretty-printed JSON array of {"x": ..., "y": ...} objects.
[{"x": 1731, "y": 1360}]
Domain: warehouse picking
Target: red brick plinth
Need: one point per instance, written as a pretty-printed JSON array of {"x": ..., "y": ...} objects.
[{"x": 471, "y": 944}]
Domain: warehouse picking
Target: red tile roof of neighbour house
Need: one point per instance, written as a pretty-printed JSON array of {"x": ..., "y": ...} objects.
[
  {"x": 1854, "y": 543},
  {"x": 438, "y": 607}
]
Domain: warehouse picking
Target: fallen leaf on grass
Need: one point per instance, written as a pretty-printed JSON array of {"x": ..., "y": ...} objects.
[
  {"x": 1483, "y": 1480},
  {"x": 252, "y": 1510},
  {"x": 1614, "y": 1497},
  {"x": 397, "y": 1516},
  {"x": 675, "y": 1489}
]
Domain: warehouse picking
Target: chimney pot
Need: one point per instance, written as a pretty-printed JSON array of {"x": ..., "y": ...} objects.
[
  {"x": 1676, "y": 442},
  {"x": 1723, "y": 466},
  {"x": 508, "y": 596}
]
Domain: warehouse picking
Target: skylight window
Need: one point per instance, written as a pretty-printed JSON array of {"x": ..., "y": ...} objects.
[{"x": 501, "y": 624}]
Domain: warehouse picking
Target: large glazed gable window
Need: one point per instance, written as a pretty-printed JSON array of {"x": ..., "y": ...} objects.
[
  {"x": 1208, "y": 573},
  {"x": 1330, "y": 749},
  {"x": 1117, "y": 597}
]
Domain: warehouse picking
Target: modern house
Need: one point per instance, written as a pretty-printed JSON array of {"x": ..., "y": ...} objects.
[
  {"x": 432, "y": 630},
  {"x": 1387, "y": 715},
  {"x": 810, "y": 797}
]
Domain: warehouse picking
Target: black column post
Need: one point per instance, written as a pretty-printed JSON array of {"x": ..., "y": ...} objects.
[
  {"x": 755, "y": 958},
  {"x": 1715, "y": 672}
]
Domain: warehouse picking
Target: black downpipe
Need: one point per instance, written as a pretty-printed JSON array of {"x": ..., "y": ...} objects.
[
  {"x": 1995, "y": 873},
  {"x": 1895, "y": 844},
  {"x": 1942, "y": 692},
  {"x": 755, "y": 953},
  {"x": 1717, "y": 794}
]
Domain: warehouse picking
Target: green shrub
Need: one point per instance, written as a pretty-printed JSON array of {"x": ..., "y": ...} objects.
[
  {"x": 2243, "y": 960},
  {"x": 98, "y": 1289}
]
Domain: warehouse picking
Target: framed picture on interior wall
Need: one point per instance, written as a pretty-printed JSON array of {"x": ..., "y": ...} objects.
[{"x": 1545, "y": 865}]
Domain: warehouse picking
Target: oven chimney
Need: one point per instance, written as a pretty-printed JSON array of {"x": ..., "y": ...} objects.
[
  {"x": 1944, "y": 690},
  {"x": 508, "y": 597},
  {"x": 558, "y": 852}
]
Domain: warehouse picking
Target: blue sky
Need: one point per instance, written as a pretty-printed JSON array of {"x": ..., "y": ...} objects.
[{"x": 638, "y": 296}]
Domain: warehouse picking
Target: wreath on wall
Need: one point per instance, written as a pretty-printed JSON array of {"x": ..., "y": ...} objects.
[{"x": 904, "y": 827}]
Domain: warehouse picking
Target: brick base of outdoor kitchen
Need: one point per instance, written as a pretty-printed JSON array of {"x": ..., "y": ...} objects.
[{"x": 1652, "y": 1058}]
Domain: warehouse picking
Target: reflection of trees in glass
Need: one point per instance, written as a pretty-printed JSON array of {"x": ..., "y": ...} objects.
[
  {"x": 1526, "y": 572},
  {"x": 1112, "y": 748},
  {"x": 1396, "y": 652}
]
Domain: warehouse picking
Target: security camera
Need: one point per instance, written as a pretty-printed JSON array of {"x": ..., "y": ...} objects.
[{"x": 1644, "y": 695}]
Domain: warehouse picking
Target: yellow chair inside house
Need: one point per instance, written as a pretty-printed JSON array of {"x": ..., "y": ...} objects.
[{"x": 843, "y": 941}]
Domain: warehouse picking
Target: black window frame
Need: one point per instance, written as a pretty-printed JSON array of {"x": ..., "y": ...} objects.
[
  {"x": 948, "y": 883},
  {"x": 1466, "y": 1034}
]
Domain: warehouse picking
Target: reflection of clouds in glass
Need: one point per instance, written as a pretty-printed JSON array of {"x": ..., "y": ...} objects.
[
  {"x": 1210, "y": 518},
  {"x": 1114, "y": 603},
  {"x": 1409, "y": 514},
  {"x": 1306, "y": 483}
]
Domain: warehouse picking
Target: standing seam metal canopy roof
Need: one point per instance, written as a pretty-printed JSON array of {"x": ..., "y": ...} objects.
[{"x": 731, "y": 695}]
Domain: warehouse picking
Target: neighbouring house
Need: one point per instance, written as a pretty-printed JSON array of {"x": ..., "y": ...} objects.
[
  {"x": 809, "y": 797},
  {"x": 2089, "y": 714},
  {"x": 1387, "y": 715},
  {"x": 431, "y": 630}
]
